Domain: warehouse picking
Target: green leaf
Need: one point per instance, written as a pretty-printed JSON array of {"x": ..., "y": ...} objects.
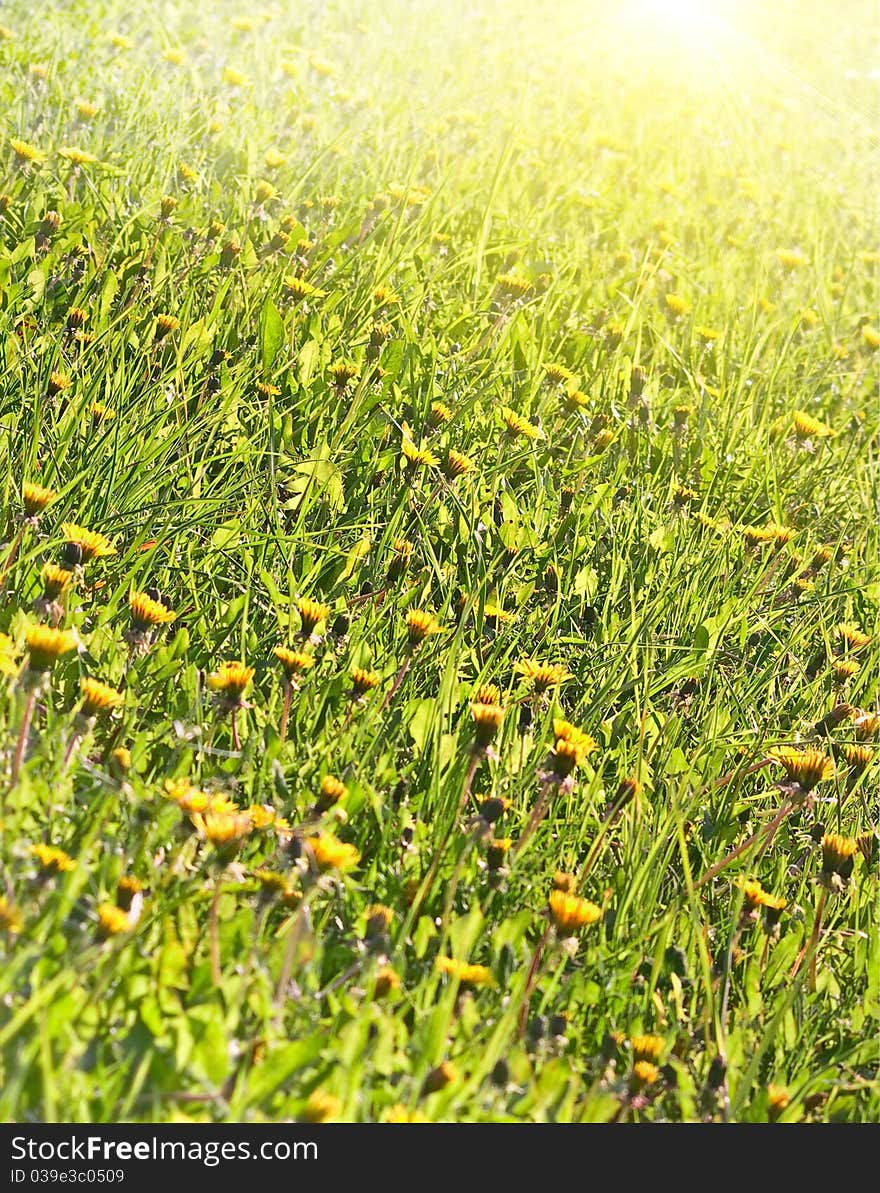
[{"x": 271, "y": 334}]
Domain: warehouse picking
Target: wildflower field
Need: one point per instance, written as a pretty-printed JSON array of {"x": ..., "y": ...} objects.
[{"x": 438, "y": 563}]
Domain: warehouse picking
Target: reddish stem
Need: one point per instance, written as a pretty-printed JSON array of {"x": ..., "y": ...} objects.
[{"x": 23, "y": 734}]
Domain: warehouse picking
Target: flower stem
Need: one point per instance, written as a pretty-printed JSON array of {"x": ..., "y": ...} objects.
[
  {"x": 236, "y": 740},
  {"x": 23, "y": 734},
  {"x": 75, "y": 739},
  {"x": 531, "y": 978},
  {"x": 11, "y": 555},
  {"x": 214, "y": 932},
  {"x": 811, "y": 948},
  {"x": 392, "y": 691},
  {"x": 768, "y": 832},
  {"x": 285, "y": 711},
  {"x": 538, "y": 813}
]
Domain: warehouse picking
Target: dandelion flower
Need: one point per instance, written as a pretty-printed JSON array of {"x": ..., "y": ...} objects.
[
  {"x": 27, "y": 154},
  {"x": 77, "y": 157},
  {"x": 806, "y": 427},
  {"x": 293, "y": 662},
  {"x": 300, "y": 289},
  {"x": 147, "y": 613},
  {"x": 10, "y": 917},
  {"x": 53, "y": 860},
  {"x": 332, "y": 854},
  {"x": 35, "y": 498},
  {"x": 362, "y": 681},
  {"x": 648, "y": 1048},
  {"x": 569, "y": 913},
  {"x": 98, "y": 698},
  {"x": 467, "y": 975},
  {"x": 311, "y": 615},
  {"x": 112, "y": 921},
  {"x": 46, "y": 645},
  {"x": 321, "y": 1107},
  {"x": 518, "y": 426},
  {"x": 543, "y": 675},
  {"x": 230, "y": 682},
  {"x": 838, "y": 855},
  {"x": 419, "y": 625},
  {"x": 89, "y": 543},
  {"x": 806, "y": 768},
  {"x": 487, "y": 722},
  {"x": 165, "y": 324},
  {"x": 676, "y": 305}
]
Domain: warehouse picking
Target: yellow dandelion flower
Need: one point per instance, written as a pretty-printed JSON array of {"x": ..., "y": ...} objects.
[
  {"x": 35, "y": 498},
  {"x": 321, "y": 1107},
  {"x": 574, "y": 400},
  {"x": 293, "y": 662},
  {"x": 55, "y": 581},
  {"x": 147, "y": 613},
  {"x": 643, "y": 1075},
  {"x": 807, "y": 768},
  {"x": 487, "y": 693},
  {"x": 10, "y": 917},
  {"x": 362, "y": 681},
  {"x": 791, "y": 260},
  {"x": 77, "y": 157},
  {"x": 867, "y": 725},
  {"x": 90, "y": 543},
  {"x": 807, "y": 427},
  {"x": 543, "y": 675},
  {"x": 419, "y": 625},
  {"x": 28, "y": 154},
  {"x": 53, "y": 860},
  {"x": 98, "y": 697},
  {"x": 235, "y": 78},
  {"x": 851, "y": 636},
  {"x": 570, "y": 913},
  {"x": 226, "y": 831},
  {"x": 165, "y": 324},
  {"x": 311, "y": 615},
  {"x": 676, "y": 305},
  {"x": 112, "y": 921},
  {"x": 300, "y": 289},
  {"x": 838, "y": 855},
  {"x": 456, "y": 465},
  {"x": 330, "y": 853},
  {"x": 231, "y": 680},
  {"x": 333, "y": 791},
  {"x": 342, "y": 373},
  {"x": 46, "y": 645},
  {"x": 648, "y": 1048},
  {"x": 856, "y": 757},
  {"x": 58, "y": 383},
  {"x": 415, "y": 457},
  {"x": 556, "y": 374},
  {"x": 487, "y": 721},
  {"x": 516, "y": 425},
  {"x": 512, "y": 286},
  {"x": 439, "y": 414},
  {"x": 467, "y": 975},
  {"x": 387, "y": 979},
  {"x": 777, "y": 1101}
]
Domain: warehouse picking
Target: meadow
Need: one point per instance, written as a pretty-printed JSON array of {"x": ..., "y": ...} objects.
[{"x": 438, "y": 668}]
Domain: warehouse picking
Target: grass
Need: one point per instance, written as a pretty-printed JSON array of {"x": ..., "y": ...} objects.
[{"x": 475, "y": 192}]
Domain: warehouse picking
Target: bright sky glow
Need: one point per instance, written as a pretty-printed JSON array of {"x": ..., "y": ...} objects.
[{"x": 689, "y": 24}]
